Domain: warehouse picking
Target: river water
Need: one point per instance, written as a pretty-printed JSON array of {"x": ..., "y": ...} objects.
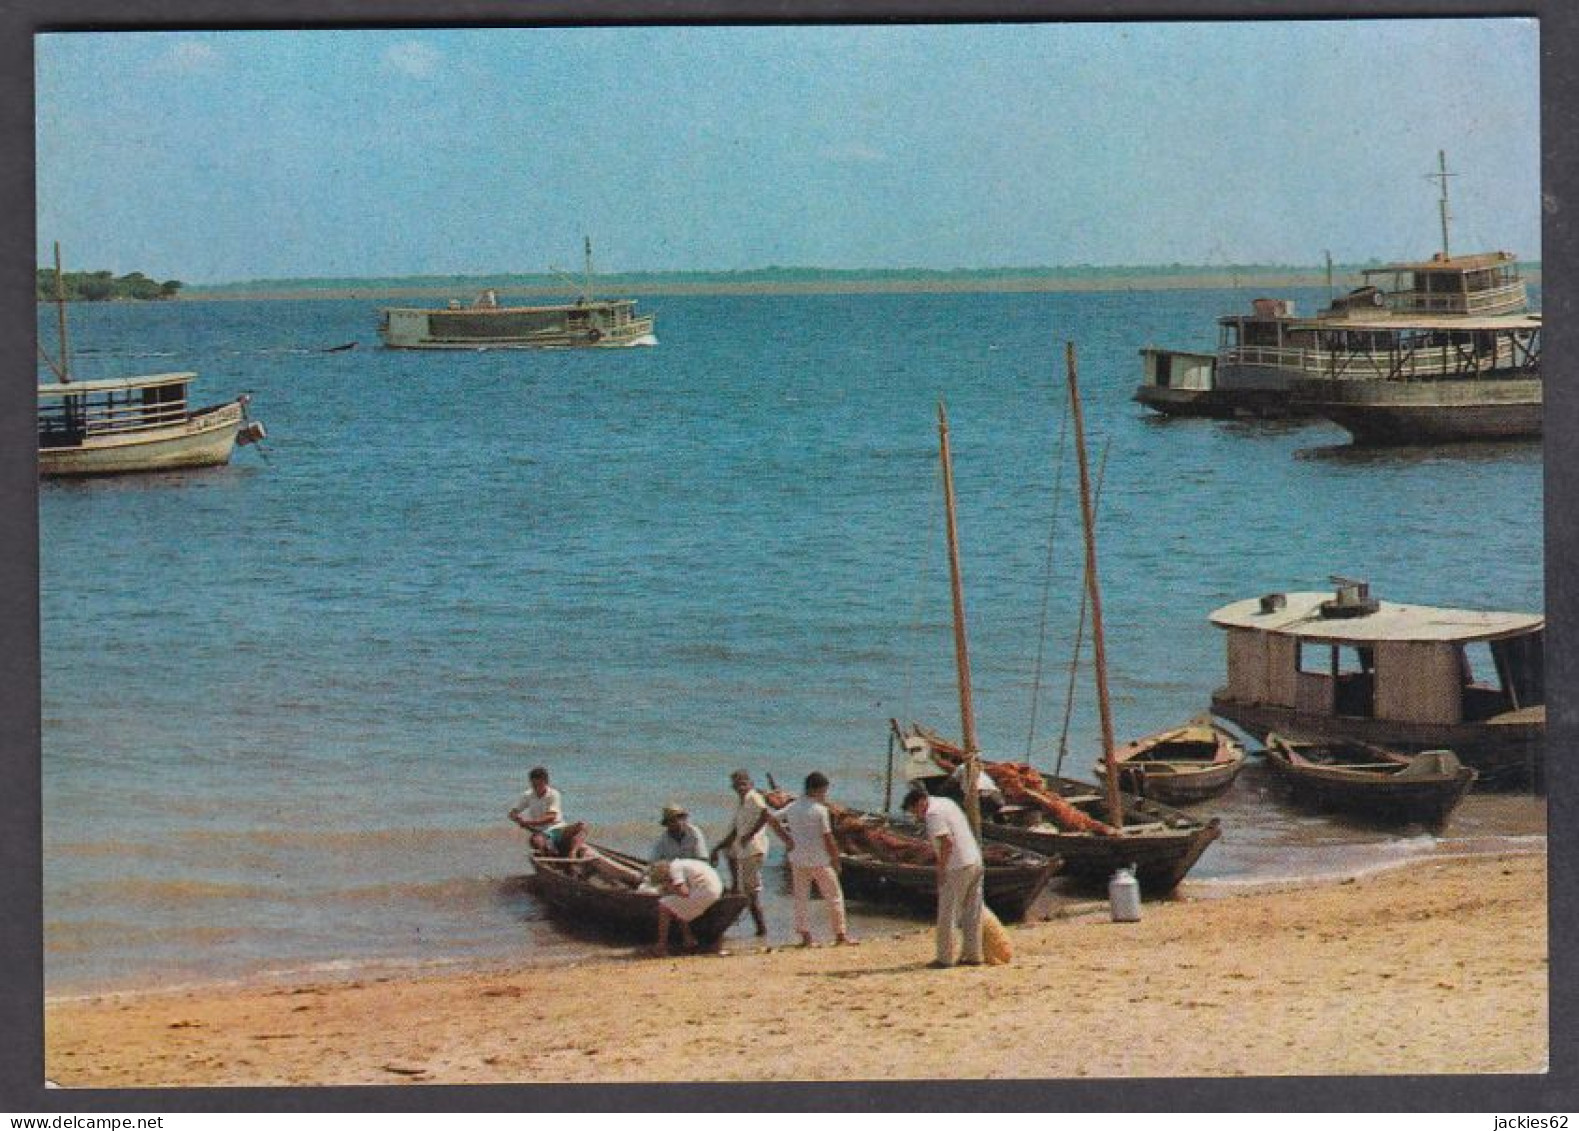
[{"x": 287, "y": 702}]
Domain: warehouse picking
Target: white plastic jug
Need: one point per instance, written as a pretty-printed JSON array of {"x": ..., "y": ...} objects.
[{"x": 1123, "y": 893}]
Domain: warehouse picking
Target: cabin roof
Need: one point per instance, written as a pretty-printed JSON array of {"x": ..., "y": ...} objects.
[
  {"x": 1449, "y": 264},
  {"x": 1300, "y": 616},
  {"x": 549, "y": 308},
  {"x": 115, "y": 384}
]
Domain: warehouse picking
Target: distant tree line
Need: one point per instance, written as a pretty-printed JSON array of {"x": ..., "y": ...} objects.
[{"x": 103, "y": 286}]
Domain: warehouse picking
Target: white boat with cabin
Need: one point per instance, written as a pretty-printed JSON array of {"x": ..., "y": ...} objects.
[
  {"x": 122, "y": 425},
  {"x": 586, "y": 323},
  {"x": 130, "y": 424}
]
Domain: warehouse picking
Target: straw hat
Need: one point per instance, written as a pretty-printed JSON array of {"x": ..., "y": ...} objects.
[{"x": 672, "y": 813}]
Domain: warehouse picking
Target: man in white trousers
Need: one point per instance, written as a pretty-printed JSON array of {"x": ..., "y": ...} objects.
[{"x": 960, "y": 875}]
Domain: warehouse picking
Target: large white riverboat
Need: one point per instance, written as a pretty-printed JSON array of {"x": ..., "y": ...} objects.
[{"x": 1458, "y": 318}]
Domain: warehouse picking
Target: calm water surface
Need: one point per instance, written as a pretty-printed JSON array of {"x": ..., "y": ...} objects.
[{"x": 286, "y": 703}]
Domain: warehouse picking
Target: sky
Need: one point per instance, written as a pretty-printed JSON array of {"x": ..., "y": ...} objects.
[{"x": 230, "y": 156}]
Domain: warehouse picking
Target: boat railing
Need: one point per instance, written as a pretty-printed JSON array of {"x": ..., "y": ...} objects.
[
  {"x": 1275, "y": 356},
  {"x": 100, "y": 418},
  {"x": 1367, "y": 365},
  {"x": 1493, "y": 300}
]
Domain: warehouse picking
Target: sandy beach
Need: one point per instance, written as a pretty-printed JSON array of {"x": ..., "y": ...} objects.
[{"x": 1440, "y": 967}]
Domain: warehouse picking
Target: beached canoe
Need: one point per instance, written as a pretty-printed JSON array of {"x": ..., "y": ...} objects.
[
  {"x": 1370, "y": 780},
  {"x": 1179, "y": 766},
  {"x": 1056, "y": 816},
  {"x": 601, "y": 896},
  {"x": 885, "y": 860}
]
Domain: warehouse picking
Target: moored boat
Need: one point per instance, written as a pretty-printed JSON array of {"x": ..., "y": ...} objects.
[
  {"x": 1368, "y": 780},
  {"x": 1350, "y": 667},
  {"x": 122, "y": 425},
  {"x": 1181, "y": 765},
  {"x": 1442, "y": 348},
  {"x": 1069, "y": 819},
  {"x": 587, "y": 323},
  {"x": 1429, "y": 379},
  {"x": 889, "y": 861},
  {"x": 119, "y": 425},
  {"x": 603, "y": 894}
]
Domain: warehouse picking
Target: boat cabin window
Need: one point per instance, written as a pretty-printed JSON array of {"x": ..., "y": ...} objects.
[
  {"x": 1502, "y": 675},
  {"x": 1439, "y": 283},
  {"x": 1350, "y": 670}
]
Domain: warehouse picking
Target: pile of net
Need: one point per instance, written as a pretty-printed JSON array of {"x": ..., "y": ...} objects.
[
  {"x": 872, "y": 836},
  {"x": 1022, "y": 784}
]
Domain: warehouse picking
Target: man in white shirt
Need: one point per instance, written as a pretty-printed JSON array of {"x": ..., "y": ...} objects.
[
  {"x": 960, "y": 874},
  {"x": 814, "y": 859},
  {"x": 746, "y": 843},
  {"x": 689, "y": 888},
  {"x": 541, "y": 814}
]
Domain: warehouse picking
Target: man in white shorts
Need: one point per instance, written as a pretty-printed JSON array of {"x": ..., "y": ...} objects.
[
  {"x": 746, "y": 844},
  {"x": 960, "y": 874},
  {"x": 689, "y": 888}
]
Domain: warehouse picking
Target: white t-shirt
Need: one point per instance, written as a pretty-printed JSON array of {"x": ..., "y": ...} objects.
[
  {"x": 750, "y": 810},
  {"x": 807, "y": 821},
  {"x": 944, "y": 818},
  {"x": 535, "y": 808}
]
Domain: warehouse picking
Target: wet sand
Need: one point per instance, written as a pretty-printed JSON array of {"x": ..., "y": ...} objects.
[{"x": 1440, "y": 967}]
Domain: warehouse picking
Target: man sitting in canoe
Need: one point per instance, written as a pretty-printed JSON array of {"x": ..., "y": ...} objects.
[
  {"x": 540, "y": 812},
  {"x": 689, "y": 888}
]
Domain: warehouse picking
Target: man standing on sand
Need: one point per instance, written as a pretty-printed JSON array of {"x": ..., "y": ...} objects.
[
  {"x": 746, "y": 844},
  {"x": 540, "y": 812},
  {"x": 814, "y": 859},
  {"x": 959, "y": 875},
  {"x": 680, "y": 840}
]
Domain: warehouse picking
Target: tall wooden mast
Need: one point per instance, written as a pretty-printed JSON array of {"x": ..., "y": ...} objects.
[
  {"x": 1094, "y": 593},
  {"x": 967, "y": 711}
]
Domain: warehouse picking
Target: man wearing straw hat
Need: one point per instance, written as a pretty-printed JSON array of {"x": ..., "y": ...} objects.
[{"x": 680, "y": 840}]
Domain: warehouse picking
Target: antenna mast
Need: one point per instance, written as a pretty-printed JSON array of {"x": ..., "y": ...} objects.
[
  {"x": 1442, "y": 175},
  {"x": 586, "y": 290},
  {"x": 60, "y": 310}
]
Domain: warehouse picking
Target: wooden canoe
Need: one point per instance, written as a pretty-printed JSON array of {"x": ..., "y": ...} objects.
[
  {"x": 1371, "y": 781},
  {"x": 1160, "y": 843},
  {"x": 1179, "y": 766},
  {"x": 598, "y": 902},
  {"x": 885, "y": 860}
]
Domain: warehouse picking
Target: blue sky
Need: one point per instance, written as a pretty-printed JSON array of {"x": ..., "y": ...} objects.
[{"x": 226, "y": 156}]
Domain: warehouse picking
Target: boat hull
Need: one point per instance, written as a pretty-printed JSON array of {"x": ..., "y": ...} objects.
[
  {"x": 205, "y": 439},
  {"x": 1505, "y": 747},
  {"x": 1162, "y": 844},
  {"x": 1009, "y": 886},
  {"x": 1414, "y": 412},
  {"x": 621, "y": 913},
  {"x": 596, "y": 325},
  {"x": 1385, "y": 794},
  {"x": 1181, "y": 766}
]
